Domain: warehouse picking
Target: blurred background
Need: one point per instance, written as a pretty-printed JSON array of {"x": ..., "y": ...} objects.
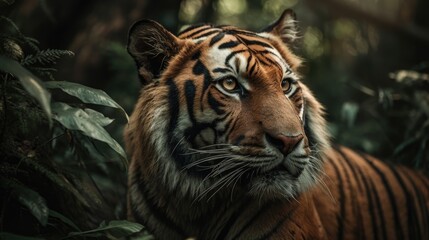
[{"x": 365, "y": 60}]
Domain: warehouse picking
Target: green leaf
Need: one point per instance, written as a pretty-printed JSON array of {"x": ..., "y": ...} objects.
[
  {"x": 144, "y": 236},
  {"x": 86, "y": 94},
  {"x": 117, "y": 228},
  {"x": 98, "y": 117},
  {"x": 78, "y": 119},
  {"x": 28, "y": 198},
  {"x": 30, "y": 83},
  {"x": 63, "y": 218},
  {"x": 11, "y": 236}
]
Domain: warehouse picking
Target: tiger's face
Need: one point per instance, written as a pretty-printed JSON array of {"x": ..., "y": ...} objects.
[{"x": 223, "y": 110}]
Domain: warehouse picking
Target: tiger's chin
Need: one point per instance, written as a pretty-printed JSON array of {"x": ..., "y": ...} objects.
[{"x": 279, "y": 184}]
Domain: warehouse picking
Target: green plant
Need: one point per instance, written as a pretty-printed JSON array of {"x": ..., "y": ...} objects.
[
  {"x": 399, "y": 118},
  {"x": 58, "y": 160}
]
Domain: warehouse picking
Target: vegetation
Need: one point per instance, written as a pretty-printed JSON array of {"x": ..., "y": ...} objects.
[
  {"x": 55, "y": 150},
  {"x": 63, "y": 168}
]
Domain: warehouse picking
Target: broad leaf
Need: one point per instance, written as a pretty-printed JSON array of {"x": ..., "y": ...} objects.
[
  {"x": 30, "y": 83},
  {"x": 77, "y": 119},
  {"x": 117, "y": 228},
  {"x": 35, "y": 203},
  {"x": 98, "y": 117},
  {"x": 86, "y": 94}
]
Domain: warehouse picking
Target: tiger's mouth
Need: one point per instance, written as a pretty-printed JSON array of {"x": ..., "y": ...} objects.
[
  {"x": 269, "y": 163},
  {"x": 249, "y": 162},
  {"x": 279, "y": 170}
]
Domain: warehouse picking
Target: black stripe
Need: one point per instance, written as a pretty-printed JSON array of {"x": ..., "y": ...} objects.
[
  {"x": 413, "y": 223},
  {"x": 199, "y": 68},
  {"x": 232, "y": 220},
  {"x": 136, "y": 214},
  {"x": 206, "y": 34},
  {"x": 266, "y": 52},
  {"x": 196, "y": 32},
  {"x": 190, "y": 28},
  {"x": 263, "y": 62},
  {"x": 340, "y": 218},
  {"x": 190, "y": 97},
  {"x": 356, "y": 206},
  {"x": 256, "y": 42},
  {"x": 173, "y": 104},
  {"x": 369, "y": 198},
  {"x": 221, "y": 70},
  {"x": 253, "y": 67},
  {"x": 196, "y": 55},
  {"x": 231, "y": 55},
  {"x": 241, "y": 32},
  {"x": 272, "y": 62},
  {"x": 398, "y": 228},
  {"x": 214, "y": 104},
  {"x": 232, "y": 126},
  {"x": 221, "y": 119},
  {"x": 379, "y": 208},
  {"x": 229, "y": 44},
  {"x": 251, "y": 221},
  {"x": 216, "y": 38},
  {"x": 422, "y": 208},
  {"x": 155, "y": 211},
  {"x": 249, "y": 59},
  {"x": 279, "y": 224},
  {"x": 298, "y": 89}
]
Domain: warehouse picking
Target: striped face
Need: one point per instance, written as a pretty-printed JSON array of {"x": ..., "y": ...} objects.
[{"x": 223, "y": 111}]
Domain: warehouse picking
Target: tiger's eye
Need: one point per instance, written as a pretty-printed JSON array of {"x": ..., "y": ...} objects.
[
  {"x": 229, "y": 84},
  {"x": 286, "y": 85}
]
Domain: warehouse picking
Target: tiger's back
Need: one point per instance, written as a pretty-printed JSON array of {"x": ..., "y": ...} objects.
[
  {"x": 226, "y": 142},
  {"x": 373, "y": 199}
]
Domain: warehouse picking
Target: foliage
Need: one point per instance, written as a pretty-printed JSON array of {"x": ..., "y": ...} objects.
[
  {"x": 401, "y": 114},
  {"x": 52, "y": 174}
]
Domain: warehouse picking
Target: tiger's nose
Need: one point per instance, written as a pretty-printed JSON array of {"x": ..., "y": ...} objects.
[{"x": 286, "y": 144}]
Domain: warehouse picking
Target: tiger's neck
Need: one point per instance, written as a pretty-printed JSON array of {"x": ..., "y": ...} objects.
[{"x": 171, "y": 217}]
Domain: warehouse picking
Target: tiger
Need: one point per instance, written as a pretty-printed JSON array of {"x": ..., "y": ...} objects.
[{"x": 227, "y": 142}]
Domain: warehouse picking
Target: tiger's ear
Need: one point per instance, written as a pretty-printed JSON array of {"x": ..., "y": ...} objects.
[
  {"x": 285, "y": 27},
  {"x": 151, "y": 46}
]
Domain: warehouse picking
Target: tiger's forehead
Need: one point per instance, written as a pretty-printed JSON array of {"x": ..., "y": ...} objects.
[{"x": 244, "y": 53}]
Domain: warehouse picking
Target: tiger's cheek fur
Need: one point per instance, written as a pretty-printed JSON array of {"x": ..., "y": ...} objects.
[{"x": 203, "y": 116}]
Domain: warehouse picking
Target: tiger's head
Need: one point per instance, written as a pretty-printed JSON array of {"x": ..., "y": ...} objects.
[{"x": 223, "y": 111}]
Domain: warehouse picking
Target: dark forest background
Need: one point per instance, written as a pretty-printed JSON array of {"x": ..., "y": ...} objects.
[{"x": 66, "y": 82}]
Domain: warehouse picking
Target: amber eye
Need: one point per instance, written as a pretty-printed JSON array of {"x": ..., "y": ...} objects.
[
  {"x": 286, "y": 85},
  {"x": 229, "y": 84}
]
